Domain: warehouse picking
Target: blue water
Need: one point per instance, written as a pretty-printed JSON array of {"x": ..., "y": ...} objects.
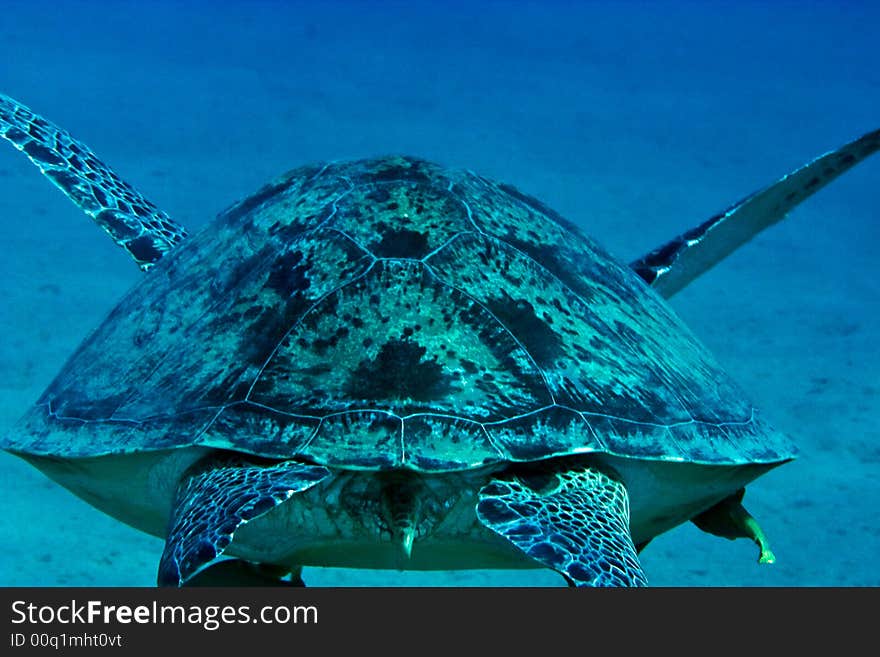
[{"x": 634, "y": 119}]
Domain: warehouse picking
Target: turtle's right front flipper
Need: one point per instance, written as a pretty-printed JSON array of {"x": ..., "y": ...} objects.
[
  {"x": 673, "y": 266},
  {"x": 134, "y": 223},
  {"x": 218, "y": 497}
]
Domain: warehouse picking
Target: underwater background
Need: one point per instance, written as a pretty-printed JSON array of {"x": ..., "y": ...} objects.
[{"x": 636, "y": 120}]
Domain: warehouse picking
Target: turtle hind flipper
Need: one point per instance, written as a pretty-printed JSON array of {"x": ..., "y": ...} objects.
[
  {"x": 574, "y": 521},
  {"x": 133, "y": 222},
  {"x": 673, "y": 266},
  {"x": 216, "y": 499}
]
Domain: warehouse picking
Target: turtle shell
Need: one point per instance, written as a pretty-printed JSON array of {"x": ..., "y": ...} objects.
[{"x": 392, "y": 313}]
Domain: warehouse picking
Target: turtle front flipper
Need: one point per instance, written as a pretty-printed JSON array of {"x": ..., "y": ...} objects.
[
  {"x": 215, "y": 499},
  {"x": 575, "y": 521},
  {"x": 132, "y": 221},
  {"x": 672, "y": 266}
]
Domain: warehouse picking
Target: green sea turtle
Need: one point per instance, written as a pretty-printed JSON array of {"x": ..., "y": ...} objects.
[{"x": 389, "y": 364}]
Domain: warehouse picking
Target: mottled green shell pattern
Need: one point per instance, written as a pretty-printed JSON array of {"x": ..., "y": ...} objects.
[{"x": 391, "y": 313}]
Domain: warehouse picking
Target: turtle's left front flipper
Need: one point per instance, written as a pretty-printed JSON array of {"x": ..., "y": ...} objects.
[
  {"x": 672, "y": 266},
  {"x": 133, "y": 222},
  {"x": 218, "y": 497},
  {"x": 575, "y": 521}
]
